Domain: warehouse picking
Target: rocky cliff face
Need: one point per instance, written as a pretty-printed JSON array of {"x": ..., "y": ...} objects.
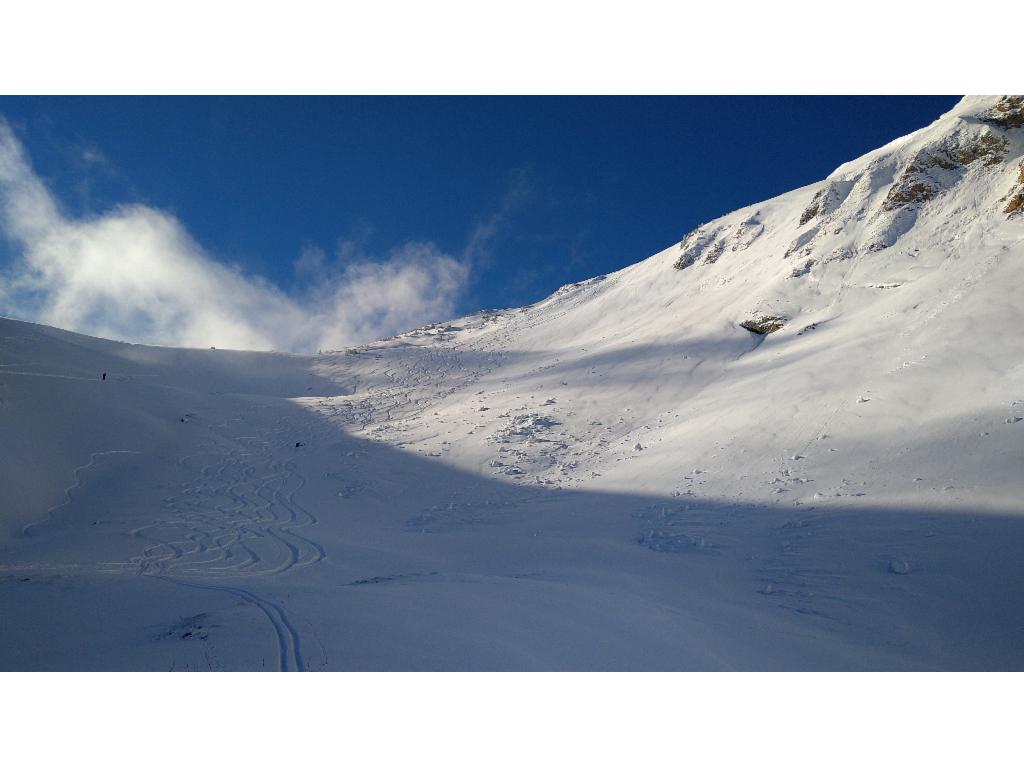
[
  {"x": 868, "y": 205},
  {"x": 1015, "y": 199}
]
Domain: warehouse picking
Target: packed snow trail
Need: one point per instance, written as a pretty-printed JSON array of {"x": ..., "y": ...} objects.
[{"x": 621, "y": 476}]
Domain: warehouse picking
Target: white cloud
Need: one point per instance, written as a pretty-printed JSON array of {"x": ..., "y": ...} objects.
[
  {"x": 477, "y": 250},
  {"x": 311, "y": 261},
  {"x": 135, "y": 273}
]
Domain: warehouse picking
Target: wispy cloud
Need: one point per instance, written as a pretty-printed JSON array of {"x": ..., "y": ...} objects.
[
  {"x": 135, "y": 273},
  {"x": 478, "y": 246}
]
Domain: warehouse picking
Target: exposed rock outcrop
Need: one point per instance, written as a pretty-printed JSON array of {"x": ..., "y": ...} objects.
[
  {"x": 764, "y": 325},
  {"x": 1007, "y": 113},
  {"x": 708, "y": 243},
  {"x": 934, "y": 170},
  {"x": 803, "y": 269},
  {"x": 923, "y": 179},
  {"x": 1015, "y": 205},
  {"x": 1015, "y": 200},
  {"x": 694, "y": 245},
  {"x": 827, "y": 200}
]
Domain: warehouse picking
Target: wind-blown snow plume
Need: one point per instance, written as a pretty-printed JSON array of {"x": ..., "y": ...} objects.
[{"x": 136, "y": 273}]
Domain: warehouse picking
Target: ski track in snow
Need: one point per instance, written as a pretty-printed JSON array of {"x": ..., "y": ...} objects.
[
  {"x": 77, "y": 473},
  {"x": 219, "y": 525},
  {"x": 288, "y": 640}
]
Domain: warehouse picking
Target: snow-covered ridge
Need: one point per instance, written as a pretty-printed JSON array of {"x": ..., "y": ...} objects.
[{"x": 868, "y": 204}]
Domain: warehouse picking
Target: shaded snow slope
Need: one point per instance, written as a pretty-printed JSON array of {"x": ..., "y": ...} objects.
[{"x": 620, "y": 476}]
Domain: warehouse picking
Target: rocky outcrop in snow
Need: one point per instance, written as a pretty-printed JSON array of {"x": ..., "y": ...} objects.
[
  {"x": 869, "y": 205},
  {"x": 708, "y": 243},
  {"x": 1008, "y": 112}
]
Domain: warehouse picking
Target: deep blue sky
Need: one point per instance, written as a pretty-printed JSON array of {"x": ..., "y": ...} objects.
[{"x": 583, "y": 185}]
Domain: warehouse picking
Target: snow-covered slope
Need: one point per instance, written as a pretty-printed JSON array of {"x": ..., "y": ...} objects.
[
  {"x": 899, "y": 352},
  {"x": 620, "y": 476}
]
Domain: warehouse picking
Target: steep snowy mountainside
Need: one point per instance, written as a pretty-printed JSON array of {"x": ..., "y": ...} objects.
[{"x": 892, "y": 377}]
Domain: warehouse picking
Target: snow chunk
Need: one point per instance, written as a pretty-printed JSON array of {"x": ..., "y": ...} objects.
[{"x": 899, "y": 567}]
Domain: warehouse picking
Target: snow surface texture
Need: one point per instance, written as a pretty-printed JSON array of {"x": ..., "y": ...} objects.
[{"x": 617, "y": 477}]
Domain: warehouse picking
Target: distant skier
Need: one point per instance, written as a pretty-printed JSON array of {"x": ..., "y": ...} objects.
[{"x": 104, "y": 376}]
